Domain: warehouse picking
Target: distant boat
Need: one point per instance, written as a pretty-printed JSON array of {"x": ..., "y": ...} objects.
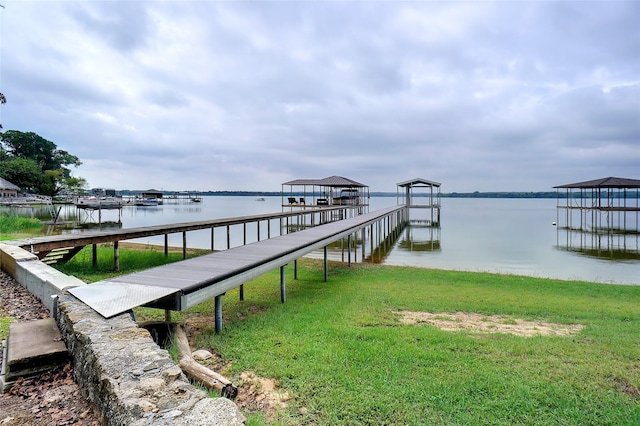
[
  {"x": 146, "y": 202},
  {"x": 95, "y": 203},
  {"x": 196, "y": 199},
  {"x": 260, "y": 199}
]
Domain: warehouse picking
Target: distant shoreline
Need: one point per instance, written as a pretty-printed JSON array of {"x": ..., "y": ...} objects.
[{"x": 477, "y": 194}]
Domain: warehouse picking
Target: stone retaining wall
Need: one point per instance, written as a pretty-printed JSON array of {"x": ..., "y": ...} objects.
[{"x": 127, "y": 377}]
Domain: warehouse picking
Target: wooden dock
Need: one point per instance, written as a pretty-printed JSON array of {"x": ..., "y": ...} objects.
[
  {"x": 73, "y": 243},
  {"x": 181, "y": 285}
]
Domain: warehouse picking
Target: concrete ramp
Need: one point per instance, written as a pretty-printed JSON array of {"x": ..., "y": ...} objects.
[{"x": 32, "y": 348}]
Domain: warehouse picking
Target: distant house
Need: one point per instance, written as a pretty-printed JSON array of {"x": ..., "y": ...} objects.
[
  {"x": 7, "y": 189},
  {"x": 103, "y": 192}
]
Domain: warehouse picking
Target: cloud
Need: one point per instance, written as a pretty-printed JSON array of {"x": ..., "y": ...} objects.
[{"x": 488, "y": 96}]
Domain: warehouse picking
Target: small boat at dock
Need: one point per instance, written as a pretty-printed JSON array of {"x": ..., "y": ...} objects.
[
  {"x": 146, "y": 202},
  {"x": 97, "y": 203}
]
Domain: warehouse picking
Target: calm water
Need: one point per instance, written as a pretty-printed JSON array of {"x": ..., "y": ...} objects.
[{"x": 513, "y": 236}]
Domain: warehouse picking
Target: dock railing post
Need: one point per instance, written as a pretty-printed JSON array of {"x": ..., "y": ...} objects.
[
  {"x": 326, "y": 264},
  {"x": 184, "y": 245},
  {"x": 283, "y": 290},
  {"x": 116, "y": 256}
]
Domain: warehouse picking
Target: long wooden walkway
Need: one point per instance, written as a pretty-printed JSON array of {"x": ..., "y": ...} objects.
[
  {"x": 41, "y": 246},
  {"x": 184, "y": 284}
]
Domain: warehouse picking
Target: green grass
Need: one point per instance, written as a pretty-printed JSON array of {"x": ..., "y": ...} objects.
[
  {"x": 131, "y": 260},
  {"x": 10, "y": 223},
  {"x": 4, "y": 326},
  {"x": 340, "y": 351}
]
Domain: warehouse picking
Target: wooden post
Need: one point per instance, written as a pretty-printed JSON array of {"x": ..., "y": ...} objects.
[
  {"x": 94, "y": 255},
  {"x": 228, "y": 237},
  {"x": 241, "y": 292},
  {"x": 349, "y": 250},
  {"x": 283, "y": 290},
  {"x": 295, "y": 269},
  {"x": 166, "y": 244},
  {"x": 212, "y": 238},
  {"x": 184, "y": 245},
  {"x": 116, "y": 256}
]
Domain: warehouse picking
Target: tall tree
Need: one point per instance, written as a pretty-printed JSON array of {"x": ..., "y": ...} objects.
[
  {"x": 51, "y": 163},
  {"x": 34, "y": 147},
  {"x": 3, "y": 100}
]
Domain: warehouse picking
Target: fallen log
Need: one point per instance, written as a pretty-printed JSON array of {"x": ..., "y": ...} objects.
[{"x": 197, "y": 371}]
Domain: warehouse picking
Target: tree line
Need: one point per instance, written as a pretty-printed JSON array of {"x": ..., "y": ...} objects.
[{"x": 36, "y": 165}]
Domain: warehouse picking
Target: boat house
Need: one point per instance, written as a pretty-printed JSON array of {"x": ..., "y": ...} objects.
[
  {"x": 330, "y": 191},
  {"x": 600, "y": 217},
  {"x": 8, "y": 190},
  {"x": 153, "y": 193},
  {"x": 420, "y": 193}
]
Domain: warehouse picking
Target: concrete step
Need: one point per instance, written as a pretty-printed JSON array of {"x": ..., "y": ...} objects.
[{"x": 31, "y": 348}]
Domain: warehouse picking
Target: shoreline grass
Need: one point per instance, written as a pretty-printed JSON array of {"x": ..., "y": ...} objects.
[{"x": 13, "y": 226}]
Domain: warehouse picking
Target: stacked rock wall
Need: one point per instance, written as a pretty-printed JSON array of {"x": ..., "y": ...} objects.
[{"x": 127, "y": 377}]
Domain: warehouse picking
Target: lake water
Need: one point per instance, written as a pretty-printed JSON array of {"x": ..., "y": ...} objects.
[{"x": 510, "y": 236}]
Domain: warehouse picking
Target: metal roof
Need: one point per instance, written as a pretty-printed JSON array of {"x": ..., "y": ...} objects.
[
  {"x": 608, "y": 182},
  {"x": 418, "y": 181},
  {"x": 5, "y": 184},
  {"x": 328, "y": 181}
]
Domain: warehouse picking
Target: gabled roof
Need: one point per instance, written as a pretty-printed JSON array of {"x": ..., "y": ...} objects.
[
  {"x": 608, "y": 182},
  {"x": 5, "y": 184},
  {"x": 337, "y": 181},
  {"x": 419, "y": 182}
]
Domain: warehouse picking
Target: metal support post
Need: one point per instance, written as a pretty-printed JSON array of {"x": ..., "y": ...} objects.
[
  {"x": 218, "y": 313},
  {"x": 283, "y": 289}
]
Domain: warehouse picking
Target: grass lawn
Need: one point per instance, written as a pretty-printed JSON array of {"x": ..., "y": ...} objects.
[{"x": 343, "y": 356}]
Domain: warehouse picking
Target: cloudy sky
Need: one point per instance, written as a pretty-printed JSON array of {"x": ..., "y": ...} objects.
[{"x": 246, "y": 95}]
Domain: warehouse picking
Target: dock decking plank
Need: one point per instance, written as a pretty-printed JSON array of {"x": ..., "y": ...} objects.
[{"x": 210, "y": 275}]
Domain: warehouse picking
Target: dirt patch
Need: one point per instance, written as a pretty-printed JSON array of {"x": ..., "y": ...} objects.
[
  {"x": 257, "y": 394},
  {"x": 488, "y": 323},
  {"x": 623, "y": 386}
]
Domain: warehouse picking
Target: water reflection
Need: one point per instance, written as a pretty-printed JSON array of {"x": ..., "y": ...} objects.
[
  {"x": 609, "y": 245},
  {"x": 420, "y": 238}
]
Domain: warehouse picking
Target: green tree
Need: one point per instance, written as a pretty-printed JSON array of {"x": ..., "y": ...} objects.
[
  {"x": 22, "y": 172},
  {"x": 74, "y": 185},
  {"x": 3, "y": 100},
  {"x": 51, "y": 163}
]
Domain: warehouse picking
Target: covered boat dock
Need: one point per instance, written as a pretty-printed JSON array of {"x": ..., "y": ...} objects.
[{"x": 330, "y": 191}]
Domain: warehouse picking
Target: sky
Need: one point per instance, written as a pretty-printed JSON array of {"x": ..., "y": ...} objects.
[{"x": 246, "y": 95}]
